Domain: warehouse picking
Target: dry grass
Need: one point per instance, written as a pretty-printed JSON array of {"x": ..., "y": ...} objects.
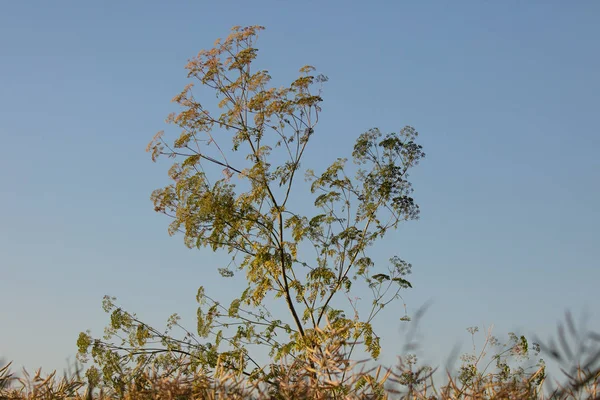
[
  {"x": 297, "y": 385},
  {"x": 345, "y": 380}
]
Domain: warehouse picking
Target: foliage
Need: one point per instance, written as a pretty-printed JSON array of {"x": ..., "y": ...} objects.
[
  {"x": 494, "y": 376},
  {"x": 477, "y": 373},
  {"x": 240, "y": 201}
]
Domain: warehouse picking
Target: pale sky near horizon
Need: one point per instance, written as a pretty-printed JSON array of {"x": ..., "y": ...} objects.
[{"x": 505, "y": 95}]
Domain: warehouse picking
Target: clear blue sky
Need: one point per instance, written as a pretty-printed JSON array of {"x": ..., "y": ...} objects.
[{"x": 506, "y": 96}]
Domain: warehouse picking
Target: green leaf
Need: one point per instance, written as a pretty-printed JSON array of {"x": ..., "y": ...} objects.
[
  {"x": 234, "y": 307},
  {"x": 381, "y": 277},
  {"x": 402, "y": 282}
]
